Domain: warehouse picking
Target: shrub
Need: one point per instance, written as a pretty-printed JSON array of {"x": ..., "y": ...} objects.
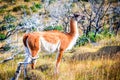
[
  {"x": 11, "y": 1},
  {"x": 28, "y": 12},
  {"x": 82, "y": 41},
  {"x": 2, "y": 36},
  {"x": 3, "y": 8},
  {"x": 51, "y": 1},
  {"x": 3, "y": 27},
  {"x": 11, "y": 26},
  {"x": 7, "y": 27},
  {"x": 49, "y": 28},
  {"x": 24, "y": 7},
  {"x": 34, "y": 9},
  {"x": 92, "y": 37},
  {"x": 20, "y": 7},
  {"x": 39, "y": 6},
  {"x": 106, "y": 32},
  {"x": 10, "y": 18},
  {"x": 34, "y": 29},
  {"x": 20, "y": 24},
  {"x": 59, "y": 28},
  {"x": 17, "y": 8},
  {"x": 99, "y": 37},
  {"x": 6, "y": 47},
  {"x": 26, "y": 0}
]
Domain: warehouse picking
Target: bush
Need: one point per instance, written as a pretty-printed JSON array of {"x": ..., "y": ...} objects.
[
  {"x": 39, "y": 6},
  {"x": 26, "y": 0},
  {"x": 10, "y": 18},
  {"x": 34, "y": 29},
  {"x": 6, "y": 47},
  {"x": 92, "y": 37},
  {"x": 3, "y": 27},
  {"x": 59, "y": 28},
  {"x": 35, "y": 7},
  {"x": 3, "y": 8},
  {"x": 7, "y": 27},
  {"x": 24, "y": 7},
  {"x": 51, "y": 1},
  {"x": 11, "y": 1},
  {"x": 2, "y": 36},
  {"x": 82, "y": 41},
  {"x": 49, "y": 28},
  {"x": 98, "y": 37},
  {"x": 20, "y": 7},
  {"x": 11, "y": 26},
  {"x": 28, "y": 12},
  {"x": 106, "y": 32},
  {"x": 17, "y": 8}
]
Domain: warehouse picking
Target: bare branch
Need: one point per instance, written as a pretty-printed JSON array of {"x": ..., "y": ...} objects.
[
  {"x": 83, "y": 8},
  {"x": 106, "y": 10},
  {"x": 98, "y": 11},
  {"x": 18, "y": 71},
  {"x": 9, "y": 58}
]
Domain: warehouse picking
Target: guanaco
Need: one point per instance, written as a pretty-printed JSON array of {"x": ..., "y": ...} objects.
[{"x": 50, "y": 41}]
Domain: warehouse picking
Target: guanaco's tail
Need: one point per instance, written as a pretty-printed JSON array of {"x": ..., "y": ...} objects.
[{"x": 24, "y": 39}]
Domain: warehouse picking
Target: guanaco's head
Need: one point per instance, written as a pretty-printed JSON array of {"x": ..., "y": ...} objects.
[{"x": 78, "y": 16}]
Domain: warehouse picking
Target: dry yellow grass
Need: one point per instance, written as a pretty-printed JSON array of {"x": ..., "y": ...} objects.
[{"x": 104, "y": 67}]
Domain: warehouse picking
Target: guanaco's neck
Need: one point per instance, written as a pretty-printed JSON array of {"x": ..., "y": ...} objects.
[
  {"x": 73, "y": 34},
  {"x": 73, "y": 27}
]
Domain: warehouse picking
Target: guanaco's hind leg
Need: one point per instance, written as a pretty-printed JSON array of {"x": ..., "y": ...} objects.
[{"x": 34, "y": 48}]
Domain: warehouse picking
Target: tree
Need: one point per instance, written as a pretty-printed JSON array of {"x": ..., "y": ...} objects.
[{"x": 94, "y": 15}]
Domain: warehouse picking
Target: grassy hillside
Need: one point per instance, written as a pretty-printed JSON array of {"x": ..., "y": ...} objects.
[
  {"x": 15, "y": 7},
  {"x": 100, "y": 61}
]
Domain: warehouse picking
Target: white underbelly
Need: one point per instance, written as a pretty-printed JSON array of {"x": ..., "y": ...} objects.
[{"x": 49, "y": 47}]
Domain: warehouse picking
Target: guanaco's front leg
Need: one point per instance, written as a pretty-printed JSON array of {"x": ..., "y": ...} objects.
[{"x": 59, "y": 57}]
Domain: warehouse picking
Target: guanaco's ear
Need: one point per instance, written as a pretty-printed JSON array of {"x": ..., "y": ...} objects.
[{"x": 76, "y": 15}]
